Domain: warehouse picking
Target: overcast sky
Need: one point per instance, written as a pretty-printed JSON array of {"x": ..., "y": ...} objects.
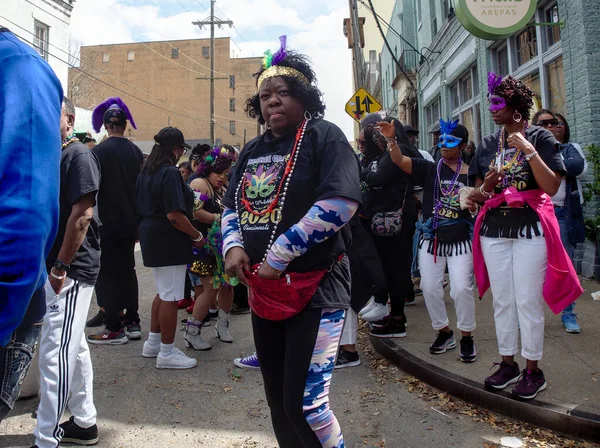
[{"x": 313, "y": 27}]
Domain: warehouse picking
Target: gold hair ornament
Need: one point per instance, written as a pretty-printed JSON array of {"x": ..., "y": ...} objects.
[{"x": 278, "y": 70}]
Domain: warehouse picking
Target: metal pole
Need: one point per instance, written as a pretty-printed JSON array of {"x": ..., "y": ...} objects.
[{"x": 212, "y": 72}]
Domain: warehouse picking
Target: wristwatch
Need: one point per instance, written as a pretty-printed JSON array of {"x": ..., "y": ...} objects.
[{"x": 61, "y": 266}]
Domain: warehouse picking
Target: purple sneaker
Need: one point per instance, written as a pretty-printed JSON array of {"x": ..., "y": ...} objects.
[
  {"x": 503, "y": 377},
  {"x": 249, "y": 362},
  {"x": 530, "y": 384}
]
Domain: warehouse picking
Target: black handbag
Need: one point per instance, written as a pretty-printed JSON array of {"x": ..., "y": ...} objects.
[{"x": 388, "y": 224}]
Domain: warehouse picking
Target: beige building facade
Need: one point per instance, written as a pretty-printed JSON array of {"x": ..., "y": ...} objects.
[{"x": 167, "y": 83}]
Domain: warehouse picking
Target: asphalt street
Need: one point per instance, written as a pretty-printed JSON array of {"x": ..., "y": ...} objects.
[{"x": 217, "y": 405}]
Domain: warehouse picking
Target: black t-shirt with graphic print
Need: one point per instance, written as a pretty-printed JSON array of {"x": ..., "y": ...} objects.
[
  {"x": 425, "y": 174},
  {"x": 520, "y": 176},
  {"x": 326, "y": 167}
]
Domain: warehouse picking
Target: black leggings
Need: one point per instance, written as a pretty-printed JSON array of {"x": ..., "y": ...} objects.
[
  {"x": 298, "y": 398},
  {"x": 395, "y": 254}
]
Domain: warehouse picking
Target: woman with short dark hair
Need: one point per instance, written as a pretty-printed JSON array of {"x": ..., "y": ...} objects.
[
  {"x": 567, "y": 201},
  {"x": 166, "y": 238},
  {"x": 292, "y": 191}
]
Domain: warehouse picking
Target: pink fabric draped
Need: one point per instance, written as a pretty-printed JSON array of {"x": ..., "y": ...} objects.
[{"x": 561, "y": 285}]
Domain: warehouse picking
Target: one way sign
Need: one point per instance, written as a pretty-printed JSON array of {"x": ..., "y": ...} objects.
[{"x": 362, "y": 103}]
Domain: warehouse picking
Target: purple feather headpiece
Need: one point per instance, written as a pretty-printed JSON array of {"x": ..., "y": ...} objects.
[
  {"x": 446, "y": 127},
  {"x": 110, "y": 103},
  {"x": 219, "y": 159},
  {"x": 493, "y": 82}
]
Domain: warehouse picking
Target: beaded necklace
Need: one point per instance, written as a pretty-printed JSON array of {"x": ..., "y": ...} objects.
[
  {"x": 437, "y": 202},
  {"x": 279, "y": 197},
  {"x": 518, "y": 157},
  {"x": 288, "y": 169},
  {"x": 70, "y": 139}
]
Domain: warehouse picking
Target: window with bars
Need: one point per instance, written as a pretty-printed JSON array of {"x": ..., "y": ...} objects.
[
  {"x": 174, "y": 53},
  {"x": 502, "y": 67},
  {"x": 232, "y": 81},
  {"x": 231, "y": 104},
  {"x": 232, "y": 127},
  {"x": 465, "y": 102},
  {"x": 552, "y": 31},
  {"x": 40, "y": 38},
  {"x": 205, "y": 52},
  {"x": 526, "y": 42}
]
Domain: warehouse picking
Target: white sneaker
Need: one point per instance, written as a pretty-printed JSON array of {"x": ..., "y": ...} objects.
[
  {"x": 368, "y": 307},
  {"x": 149, "y": 350},
  {"x": 376, "y": 313},
  {"x": 222, "y": 327},
  {"x": 174, "y": 360}
]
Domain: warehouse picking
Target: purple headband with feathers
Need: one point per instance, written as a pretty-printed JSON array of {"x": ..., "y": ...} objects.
[
  {"x": 494, "y": 81},
  {"x": 100, "y": 110},
  {"x": 214, "y": 157}
]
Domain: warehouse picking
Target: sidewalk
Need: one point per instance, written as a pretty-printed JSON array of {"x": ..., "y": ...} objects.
[{"x": 571, "y": 364}]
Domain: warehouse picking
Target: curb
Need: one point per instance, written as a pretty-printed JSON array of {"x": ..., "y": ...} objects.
[{"x": 567, "y": 420}]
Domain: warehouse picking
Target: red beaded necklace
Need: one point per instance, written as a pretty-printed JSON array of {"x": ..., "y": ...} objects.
[{"x": 287, "y": 170}]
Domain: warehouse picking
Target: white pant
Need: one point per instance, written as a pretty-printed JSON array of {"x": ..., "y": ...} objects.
[
  {"x": 65, "y": 363},
  {"x": 517, "y": 269},
  {"x": 350, "y": 331},
  {"x": 460, "y": 270}
]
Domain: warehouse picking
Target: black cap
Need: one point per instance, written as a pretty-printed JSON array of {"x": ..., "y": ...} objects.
[
  {"x": 115, "y": 115},
  {"x": 370, "y": 120},
  {"x": 171, "y": 136},
  {"x": 410, "y": 130}
]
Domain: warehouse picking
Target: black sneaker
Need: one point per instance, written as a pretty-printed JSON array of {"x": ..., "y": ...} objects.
[
  {"x": 444, "y": 341},
  {"x": 410, "y": 302},
  {"x": 467, "y": 349},
  {"x": 394, "y": 328},
  {"x": 503, "y": 377},
  {"x": 418, "y": 292},
  {"x": 78, "y": 435},
  {"x": 237, "y": 309},
  {"x": 96, "y": 321},
  {"x": 347, "y": 359},
  {"x": 381, "y": 322},
  {"x": 133, "y": 332}
]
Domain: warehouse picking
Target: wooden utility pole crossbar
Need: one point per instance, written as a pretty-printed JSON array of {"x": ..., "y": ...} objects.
[{"x": 212, "y": 21}]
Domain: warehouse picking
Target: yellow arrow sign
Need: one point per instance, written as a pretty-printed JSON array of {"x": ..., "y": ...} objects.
[{"x": 362, "y": 103}]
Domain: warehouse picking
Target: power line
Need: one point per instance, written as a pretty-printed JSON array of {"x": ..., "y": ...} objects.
[
  {"x": 387, "y": 44},
  {"x": 389, "y": 27},
  {"x": 193, "y": 60},
  {"x": 200, "y": 117}
]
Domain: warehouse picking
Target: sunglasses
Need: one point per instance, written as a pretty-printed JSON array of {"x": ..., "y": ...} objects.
[
  {"x": 547, "y": 123},
  {"x": 183, "y": 148}
]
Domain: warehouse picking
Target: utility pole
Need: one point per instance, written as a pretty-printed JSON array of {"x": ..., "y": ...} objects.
[
  {"x": 358, "y": 58},
  {"x": 212, "y": 21}
]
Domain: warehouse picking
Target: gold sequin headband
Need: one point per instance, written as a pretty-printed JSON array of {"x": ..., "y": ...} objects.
[{"x": 278, "y": 70}]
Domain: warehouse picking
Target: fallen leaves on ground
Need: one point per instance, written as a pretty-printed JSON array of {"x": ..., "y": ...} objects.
[{"x": 532, "y": 436}]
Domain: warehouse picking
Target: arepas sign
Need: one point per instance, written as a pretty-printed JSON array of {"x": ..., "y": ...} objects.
[{"x": 495, "y": 19}]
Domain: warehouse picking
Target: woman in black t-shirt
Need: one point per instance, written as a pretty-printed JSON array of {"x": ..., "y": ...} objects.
[
  {"x": 292, "y": 191},
  {"x": 444, "y": 236},
  {"x": 523, "y": 162},
  {"x": 166, "y": 237},
  {"x": 207, "y": 270},
  {"x": 390, "y": 211}
]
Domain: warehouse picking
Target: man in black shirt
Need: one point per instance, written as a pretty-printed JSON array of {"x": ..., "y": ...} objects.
[
  {"x": 73, "y": 265},
  {"x": 117, "y": 286}
]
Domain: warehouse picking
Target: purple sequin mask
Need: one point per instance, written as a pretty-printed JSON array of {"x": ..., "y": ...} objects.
[{"x": 496, "y": 102}]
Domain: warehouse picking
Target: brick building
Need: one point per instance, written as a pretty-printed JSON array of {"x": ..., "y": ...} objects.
[{"x": 167, "y": 83}]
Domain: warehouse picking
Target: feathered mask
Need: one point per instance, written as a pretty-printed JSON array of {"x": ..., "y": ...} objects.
[
  {"x": 110, "y": 104},
  {"x": 496, "y": 102},
  {"x": 217, "y": 160},
  {"x": 447, "y": 140},
  {"x": 271, "y": 61}
]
